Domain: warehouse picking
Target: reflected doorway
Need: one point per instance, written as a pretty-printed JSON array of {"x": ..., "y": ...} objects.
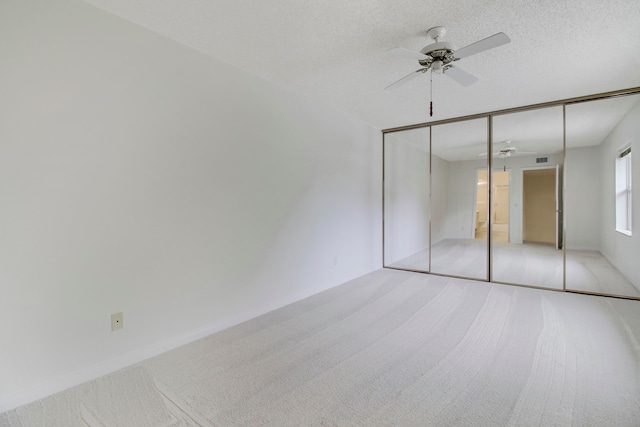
[
  {"x": 539, "y": 203},
  {"x": 500, "y": 210}
]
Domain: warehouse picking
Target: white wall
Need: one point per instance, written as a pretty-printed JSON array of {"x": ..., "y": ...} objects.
[
  {"x": 461, "y": 188},
  {"x": 439, "y": 198},
  {"x": 621, "y": 250},
  {"x": 582, "y": 200},
  {"x": 406, "y": 198},
  {"x": 138, "y": 175}
]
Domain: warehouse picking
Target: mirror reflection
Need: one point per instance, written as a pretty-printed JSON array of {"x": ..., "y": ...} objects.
[
  {"x": 526, "y": 194},
  {"x": 602, "y": 245},
  {"x": 557, "y": 205},
  {"x": 406, "y": 199},
  {"x": 459, "y": 202}
]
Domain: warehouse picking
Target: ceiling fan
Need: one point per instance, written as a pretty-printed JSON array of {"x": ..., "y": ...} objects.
[
  {"x": 439, "y": 56},
  {"x": 507, "y": 150}
]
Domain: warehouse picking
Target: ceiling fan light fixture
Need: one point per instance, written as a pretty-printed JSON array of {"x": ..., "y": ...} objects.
[{"x": 436, "y": 66}]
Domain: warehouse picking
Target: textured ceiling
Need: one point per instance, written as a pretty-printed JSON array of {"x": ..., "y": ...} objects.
[{"x": 333, "y": 51}]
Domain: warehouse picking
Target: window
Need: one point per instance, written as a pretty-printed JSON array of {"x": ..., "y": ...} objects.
[{"x": 623, "y": 191}]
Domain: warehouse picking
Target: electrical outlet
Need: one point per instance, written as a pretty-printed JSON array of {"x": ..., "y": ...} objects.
[{"x": 116, "y": 321}]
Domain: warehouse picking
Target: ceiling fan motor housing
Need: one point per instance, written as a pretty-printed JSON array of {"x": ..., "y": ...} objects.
[
  {"x": 506, "y": 152},
  {"x": 440, "y": 51}
]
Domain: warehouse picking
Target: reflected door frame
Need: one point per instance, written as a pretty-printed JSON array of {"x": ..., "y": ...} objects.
[
  {"x": 494, "y": 200},
  {"x": 476, "y": 213},
  {"x": 558, "y": 196}
]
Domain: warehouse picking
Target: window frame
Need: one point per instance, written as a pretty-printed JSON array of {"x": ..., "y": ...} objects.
[{"x": 624, "y": 191}]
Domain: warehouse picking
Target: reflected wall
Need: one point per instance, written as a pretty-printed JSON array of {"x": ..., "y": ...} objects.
[
  {"x": 529, "y": 145},
  {"x": 406, "y": 199},
  {"x": 599, "y": 257},
  {"x": 459, "y": 151}
]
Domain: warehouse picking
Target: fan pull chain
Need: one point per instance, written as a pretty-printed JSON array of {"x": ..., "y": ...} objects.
[{"x": 431, "y": 93}]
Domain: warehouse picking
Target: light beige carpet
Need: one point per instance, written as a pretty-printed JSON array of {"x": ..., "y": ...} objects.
[{"x": 389, "y": 348}]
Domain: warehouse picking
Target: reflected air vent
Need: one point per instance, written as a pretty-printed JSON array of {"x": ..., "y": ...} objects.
[{"x": 542, "y": 159}]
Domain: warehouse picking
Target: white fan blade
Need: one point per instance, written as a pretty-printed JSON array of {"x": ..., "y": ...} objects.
[
  {"x": 485, "y": 154},
  {"x": 405, "y": 79},
  {"x": 482, "y": 45},
  {"x": 460, "y": 76},
  {"x": 411, "y": 54},
  {"x": 505, "y": 143}
]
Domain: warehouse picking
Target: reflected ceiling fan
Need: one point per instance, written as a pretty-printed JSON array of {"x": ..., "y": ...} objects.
[
  {"x": 505, "y": 149},
  {"x": 439, "y": 56}
]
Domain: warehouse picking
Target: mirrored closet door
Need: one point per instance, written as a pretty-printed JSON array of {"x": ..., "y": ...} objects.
[
  {"x": 526, "y": 194},
  {"x": 459, "y": 210},
  {"x": 406, "y": 199},
  {"x": 539, "y": 196},
  {"x": 602, "y": 216}
]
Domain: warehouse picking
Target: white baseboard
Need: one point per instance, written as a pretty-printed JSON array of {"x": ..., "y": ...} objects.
[
  {"x": 13, "y": 400},
  {"x": 584, "y": 248}
]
